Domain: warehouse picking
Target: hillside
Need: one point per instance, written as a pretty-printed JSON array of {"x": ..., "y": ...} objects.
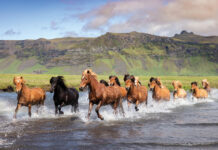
[{"x": 113, "y": 53}]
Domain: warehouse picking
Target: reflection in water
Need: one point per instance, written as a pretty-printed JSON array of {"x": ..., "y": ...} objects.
[{"x": 182, "y": 124}]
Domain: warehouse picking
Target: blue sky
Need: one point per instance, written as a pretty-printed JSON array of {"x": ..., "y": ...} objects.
[{"x": 33, "y": 19}]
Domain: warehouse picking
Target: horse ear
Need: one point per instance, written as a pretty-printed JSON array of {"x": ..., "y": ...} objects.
[{"x": 158, "y": 82}]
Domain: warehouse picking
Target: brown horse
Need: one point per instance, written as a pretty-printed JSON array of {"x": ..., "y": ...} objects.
[
  {"x": 198, "y": 93},
  {"x": 114, "y": 81},
  {"x": 26, "y": 96},
  {"x": 135, "y": 94},
  {"x": 178, "y": 92},
  {"x": 206, "y": 85},
  {"x": 160, "y": 92},
  {"x": 100, "y": 94}
]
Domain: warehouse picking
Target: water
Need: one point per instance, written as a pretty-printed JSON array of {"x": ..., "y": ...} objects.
[{"x": 181, "y": 124}]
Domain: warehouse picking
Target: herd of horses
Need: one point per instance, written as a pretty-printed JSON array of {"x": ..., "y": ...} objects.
[{"x": 102, "y": 93}]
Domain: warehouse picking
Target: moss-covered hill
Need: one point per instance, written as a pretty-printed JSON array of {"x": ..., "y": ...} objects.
[{"x": 113, "y": 53}]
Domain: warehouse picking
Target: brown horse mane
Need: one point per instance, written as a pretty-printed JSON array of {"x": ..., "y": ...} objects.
[{"x": 89, "y": 71}]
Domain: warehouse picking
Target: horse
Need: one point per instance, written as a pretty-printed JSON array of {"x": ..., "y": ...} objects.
[
  {"x": 178, "y": 92},
  {"x": 137, "y": 82},
  {"x": 100, "y": 94},
  {"x": 198, "y": 93},
  {"x": 159, "y": 92},
  {"x": 63, "y": 95},
  {"x": 135, "y": 94},
  {"x": 27, "y": 96},
  {"x": 206, "y": 85},
  {"x": 114, "y": 81}
]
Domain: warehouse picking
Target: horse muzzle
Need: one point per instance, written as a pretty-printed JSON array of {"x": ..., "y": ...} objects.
[
  {"x": 81, "y": 88},
  {"x": 127, "y": 88},
  {"x": 151, "y": 89}
]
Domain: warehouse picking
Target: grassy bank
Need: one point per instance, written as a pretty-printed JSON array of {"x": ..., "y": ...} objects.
[{"x": 34, "y": 80}]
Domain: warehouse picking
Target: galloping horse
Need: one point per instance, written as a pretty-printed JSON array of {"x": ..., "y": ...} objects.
[
  {"x": 206, "y": 85},
  {"x": 26, "y": 96},
  {"x": 178, "y": 92},
  {"x": 114, "y": 81},
  {"x": 63, "y": 95},
  {"x": 159, "y": 91},
  {"x": 198, "y": 93},
  {"x": 135, "y": 94},
  {"x": 99, "y": 94}
]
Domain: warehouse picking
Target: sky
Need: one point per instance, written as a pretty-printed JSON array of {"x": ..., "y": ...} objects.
[{"x": 33, "y": 19}]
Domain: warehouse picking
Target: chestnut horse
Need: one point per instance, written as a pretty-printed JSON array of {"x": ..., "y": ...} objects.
[
  {"x": 159, "y": 92},
  {"x": 114, "y": 81},
  {"x": 178, "y": 92},
  {"x": 26, "y": 96},
  {"x": 100, "y": 94},
  {"x": 135, "y": 94},
  {"x": 198, "y": 93},
  {"x": 206, "y": 85}
]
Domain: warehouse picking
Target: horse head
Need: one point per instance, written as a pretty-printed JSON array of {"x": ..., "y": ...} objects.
[
  {"x": 129, "y": 81},
  {"x": 113, "y": 80},
  {"x": 18, "y": 82},
  {"x": 85, "y": 79},
  {"x": 205, "y": 83},
  {"x": 194, "y": 85},
  {"x": 55, "y": 81},
  {"x": 176, "y": 85}
]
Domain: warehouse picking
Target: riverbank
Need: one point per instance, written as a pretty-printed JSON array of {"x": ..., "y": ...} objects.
[{"x": 42, "y": 80}]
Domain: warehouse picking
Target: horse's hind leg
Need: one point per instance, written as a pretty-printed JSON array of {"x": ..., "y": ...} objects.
[
  {"x": 29, "y": 110},
  {"x": 97, "y": 110},
  {"x": 90, "y": 109},
  {"x": 16, "y": 110}
]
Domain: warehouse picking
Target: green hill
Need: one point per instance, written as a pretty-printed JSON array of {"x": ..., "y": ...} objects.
[{"x": 113, "y": 53}]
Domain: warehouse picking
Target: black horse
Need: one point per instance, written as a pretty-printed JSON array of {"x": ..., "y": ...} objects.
[{"x": 63, "y": 95}]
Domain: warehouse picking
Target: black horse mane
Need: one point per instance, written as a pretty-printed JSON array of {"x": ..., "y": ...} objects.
[
  {"x": 60, "y": 82},
  {"x": 194, "y": 83},
  {"x": 104, "y": 82}
]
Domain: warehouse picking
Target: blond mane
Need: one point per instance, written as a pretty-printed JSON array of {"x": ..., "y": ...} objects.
[{"x": 89, "y": 71}]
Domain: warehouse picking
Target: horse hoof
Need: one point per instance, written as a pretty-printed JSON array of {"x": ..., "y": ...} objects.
[
  {"x": 61, "y": 112},
  {"x": 102, "y": 118},
  {"x": 136, "y": 109}
]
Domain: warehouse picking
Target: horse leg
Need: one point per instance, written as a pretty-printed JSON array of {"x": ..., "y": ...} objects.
[
  {"x": 75, "y": 107},
  {"x": 59, "y": 108},
  {"x": 97, "y": 110},
  {"x": 16, "y": 110},
  {"x": 90, "y": 109},
  {"x": 129, "y": 104},
  {"x": 121, "y": 106},
  {"x": 29, "y": 110},
  {"x": 136, "y": 105},
  {"x": 56, "y": 109}
]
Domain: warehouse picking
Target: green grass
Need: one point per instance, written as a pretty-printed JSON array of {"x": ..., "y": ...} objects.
[{"x": 34, "y": 80}]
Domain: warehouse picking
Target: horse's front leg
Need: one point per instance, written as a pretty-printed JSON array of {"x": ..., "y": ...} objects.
[
  {"x": 90, "y": 109},
  {"x": 115, "y": 108},
  {"x": 29, "y": 110},
  {"x": 121, "y": 106},
  {"x": 97, "y": 110},
  {"x": 16, "y": 110},
  {"x": 136, "y": 105}
]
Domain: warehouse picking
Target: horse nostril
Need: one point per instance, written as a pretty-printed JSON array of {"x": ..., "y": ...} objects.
[{"x": 81, "y": 89}]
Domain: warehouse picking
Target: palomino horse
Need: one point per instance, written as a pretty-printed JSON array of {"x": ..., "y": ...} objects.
[
  {"x": 159, "y": 91},
  {"x": 26, "y": 96},
  {"x": 178, "y": 92},
  {"x": 135, "y": 94},
  {"x": 206, "y": 85},
  {"x": 63, "y": 95},
  {"x": 198, "y": 93},
  {"x": 100, "y": 94}
]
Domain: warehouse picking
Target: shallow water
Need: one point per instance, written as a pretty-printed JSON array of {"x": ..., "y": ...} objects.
[{"x": 181, "y": 124}]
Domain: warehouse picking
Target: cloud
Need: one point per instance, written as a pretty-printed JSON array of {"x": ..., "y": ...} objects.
[
  {"x": 54, "y": 25},
  {"x": 162, "y": 17},
  {"x": 11, "y": 32},
  {"x": 69, "y": 34}
]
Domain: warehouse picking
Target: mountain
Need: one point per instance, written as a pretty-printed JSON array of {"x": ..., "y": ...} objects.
[{"x": 113, "y": 53}]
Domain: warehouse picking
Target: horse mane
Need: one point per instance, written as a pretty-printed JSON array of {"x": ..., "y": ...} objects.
[
  {"x": 60, "y": 81},
  {"x": 117, "y": 80},
  {"x": 195, "y": 83},
  {"x": 126, "y": 77},
  {"x": 104, "y": 82},
  {"x": 151, "y": 79},
  {"x": 89, "y": 71}
]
